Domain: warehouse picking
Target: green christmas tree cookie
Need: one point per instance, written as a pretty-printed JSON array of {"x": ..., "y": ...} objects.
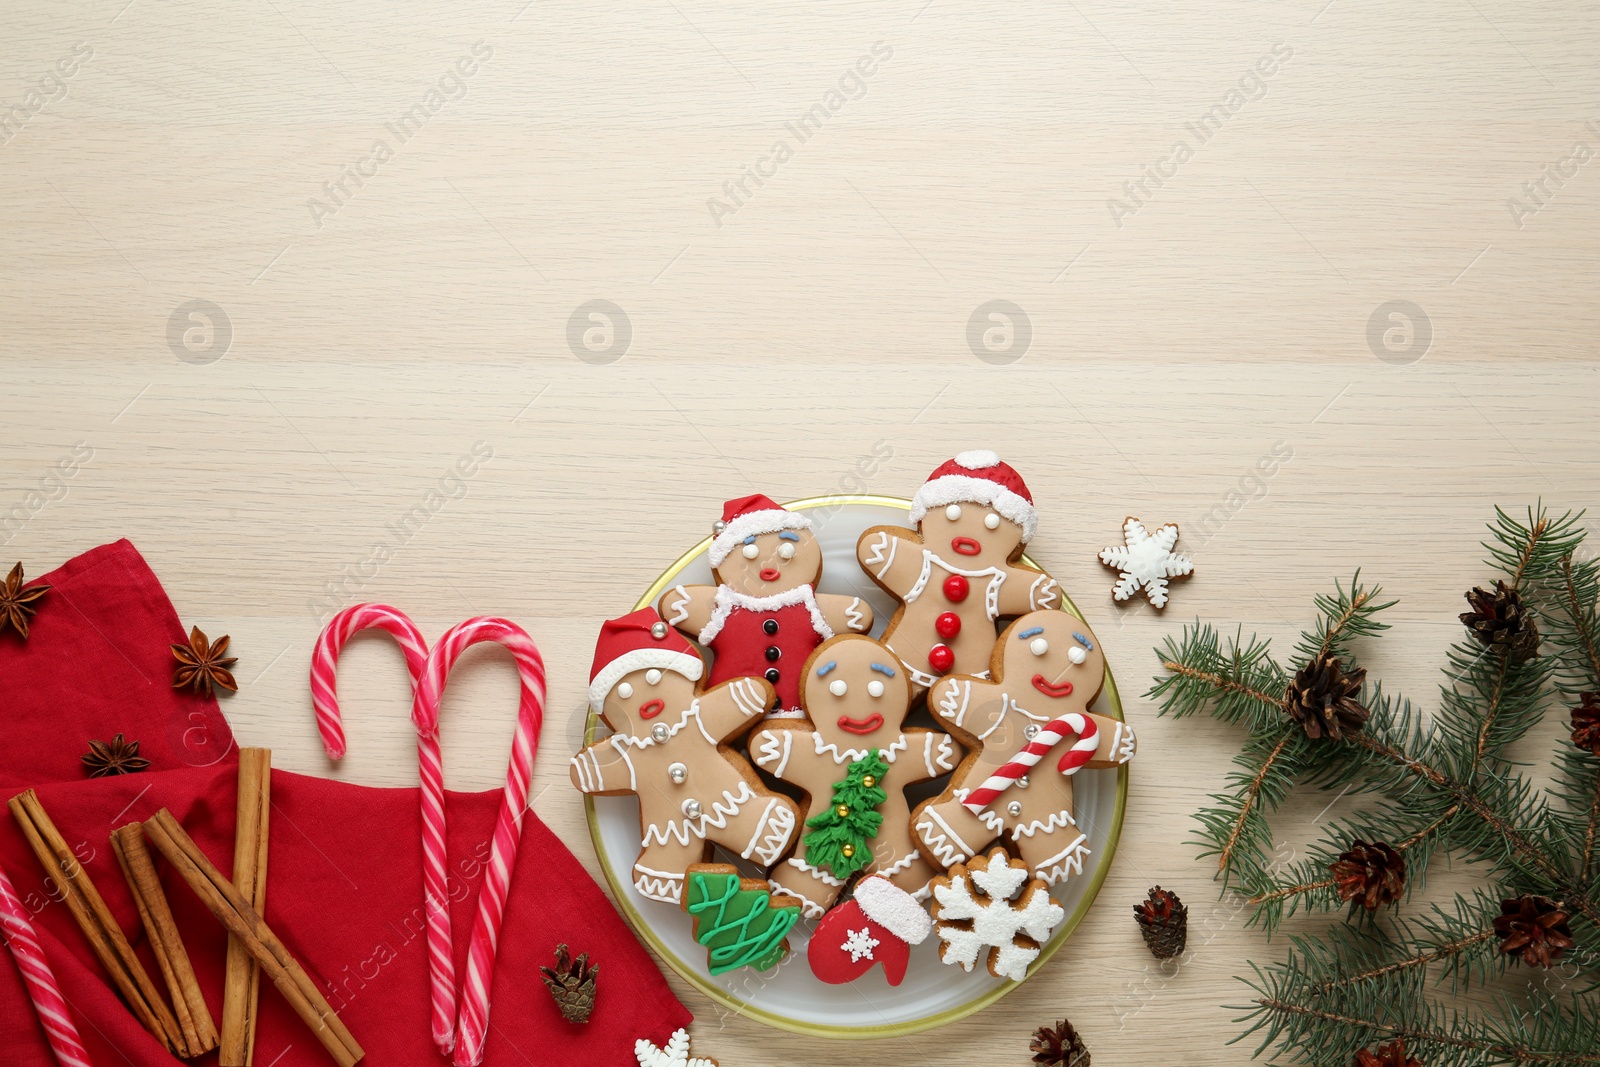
[
  {"x": 734, "y": 918},
  {"x": 839, "y": 836}
]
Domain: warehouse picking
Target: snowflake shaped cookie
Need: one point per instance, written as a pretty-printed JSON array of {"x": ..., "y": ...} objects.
[
  {"x": 1146, "y": 561},
  {"x": 989, "y": 903},
  {"x": 860, "y": 943},
  {"x": 676, "y": 1054}
]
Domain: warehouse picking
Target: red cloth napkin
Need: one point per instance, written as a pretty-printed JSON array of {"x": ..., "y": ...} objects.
[{"x": 344, "y": 885}]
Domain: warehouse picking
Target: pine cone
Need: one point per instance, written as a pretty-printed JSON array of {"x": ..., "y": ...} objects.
[
  {"x": 1058, "y": 1046},
  {"x": 1534, "y": 928},
  {"x": 1586, "y": 723},
  {"x": 571, "y": 983},
  {"x": 1373, "y": 875},
  {"x": 1164, "y": 922},
  {"x": 1500, "y": 619},
  {"x": 1391, "y": 1055},
  {"x": 1322, "y": 698}
]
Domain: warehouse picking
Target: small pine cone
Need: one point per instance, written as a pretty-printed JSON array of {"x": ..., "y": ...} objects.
[
  {"x": 1322, "y": 698},
  {"x": 1391, "y": 1055},
  {"x": 1164, "y": 922},
  {"x": 1500, "y": 619},
  {"x": 1371, "y": 874},
  {"x": 1586, "y": 723},
  {"x": 571, "y": 983},
  {"x": 1533, "y": 928},
  {"x": 1058, "y": 1046}
]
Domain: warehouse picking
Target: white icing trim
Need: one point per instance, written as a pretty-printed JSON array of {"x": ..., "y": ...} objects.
[
  {"x": 1123, "y": 744},
  {"x": 620, "y": 744},
  {"x": 687, "y": 664},
  {"x": 939, "y": 754},
  {"x": 991, "y": 594},
  {"x": 1058, "y": 821},
  {"x": 946, "y": 845},
  {"x": 1068, "y": 861},
  {"x": 878, "y": 556},
  {"x": 768, "y": 520},
  {"x": 746, "y": 697},
  {"x": 665, "y": 886},
  {"x": 977, "y": 459},
  {"x": 893, "y": 909},
  {"x": 681, "y": 830},
  {"x": 775, "y": 745},
  {"x": 953, "y": 705},
  {"x": 969, "y": 489},
  {"x": 768, "y": 849},
  {"x": 726, "y": 600},
  {"x": 899, "y": 745},
  {"x": 1043, "y": 593},
  {"x": 853, "y": 617},
  {"x": 680, "y": 607},
  {"x": 815, "y": 872},
  {"x": 991, "y": 819}
]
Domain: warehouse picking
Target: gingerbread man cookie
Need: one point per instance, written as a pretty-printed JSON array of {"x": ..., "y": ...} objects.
[
  {"x": 764, "y": 615},
  {"x": 855, "y": 695},
  {"x": 670, "y": 748},
  {"x": 1029, "y": 731},
  {"x": 958, "y": 571}
]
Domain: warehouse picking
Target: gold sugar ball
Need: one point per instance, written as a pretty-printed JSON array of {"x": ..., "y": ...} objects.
[
  {"x": 848, "y": 850},
  {"x": 843, "y": 810},
  {"x": 868, "y": 780}
]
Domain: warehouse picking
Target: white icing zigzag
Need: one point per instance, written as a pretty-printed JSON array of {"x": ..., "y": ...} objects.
[
  {"x": 680, "y": 830},
  {"x": 1066, "y": 862},
  {"x": 888, "y": 754},
  {"x": 942, "y": 841},
  {"x": 877, "y": 553},
  {"x": 658, "y": 885},
  {"x": 774, "y": 748},
  {"x": 953, "y": 705},
  {"x": 680, "y": 609},
  {"x": 1058, "y": 821},
  {"x": 767, "y": 849},
  {"x": 939, "y": 754},
  {"x": 853, "y": 616},
  {"x": 1043, "y": 592}
]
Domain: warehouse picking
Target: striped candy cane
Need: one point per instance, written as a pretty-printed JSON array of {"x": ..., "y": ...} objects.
[
  {"x": 324, "y": 662},
  {"x": 473, "y": 1026},
  {"x": 1053, "y": 731},
  {"x": 41, "y": 983}
]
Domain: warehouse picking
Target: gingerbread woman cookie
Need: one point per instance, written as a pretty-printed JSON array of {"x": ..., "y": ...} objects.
[
  {"x": 958, "y": 571},
  {"x": 764, "y": 616},
  {"x": 1029, "y": 731},
  {"x": 855, "y": 695},
  {"x": 670, "y": 747}
]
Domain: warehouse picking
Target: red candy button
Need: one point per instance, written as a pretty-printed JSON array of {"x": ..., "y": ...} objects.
[
  {"x": 940, "y": 658},
  {"x": 948, "y": 625},
  {"x": 956, "y": 588}
]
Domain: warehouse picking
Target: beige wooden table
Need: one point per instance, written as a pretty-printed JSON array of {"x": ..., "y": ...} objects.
[{"x": 391, "y": 217}]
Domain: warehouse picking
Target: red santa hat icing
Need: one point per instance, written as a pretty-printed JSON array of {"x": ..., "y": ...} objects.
[
  {"x": 637, "y": 642},
  {"x": 748, "y": 516},
  {"x": 978, "y": 477}
]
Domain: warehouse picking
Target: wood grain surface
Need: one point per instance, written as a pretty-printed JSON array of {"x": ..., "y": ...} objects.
[{"x": 394, "y": 220}]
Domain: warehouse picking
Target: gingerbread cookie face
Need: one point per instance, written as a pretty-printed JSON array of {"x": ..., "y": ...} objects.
[
  {"x": 770, "y": 563},
  {"x": 855, "y": 693},
  {"x": 642, "y": 696},
  {"x": 975, "y": 534}
]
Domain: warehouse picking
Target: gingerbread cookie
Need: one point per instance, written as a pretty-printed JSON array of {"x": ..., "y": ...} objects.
[
  {"x": 1029, "y": 730},
  {"x": 736, "y": 918},
  {"x": 878, "y": 924},
  {"x": 988, "y": 906},
  {"x": 764, "y": 615},
  {"x": 670, "y": 748},
  {"x": 958, "y": 571},
  {"x": 1145, "y": 561},
  {"x": 853, "y": 758}
]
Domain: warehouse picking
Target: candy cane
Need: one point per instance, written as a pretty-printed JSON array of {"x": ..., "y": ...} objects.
[
  {"x": 1053, "y": 731},
  {"x": 343, "y": 626},
  {"x": 473, "y": 1025},
  {"x": 41, "y": 983}
]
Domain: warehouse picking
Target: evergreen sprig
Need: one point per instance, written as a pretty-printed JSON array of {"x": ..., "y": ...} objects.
[{"x": 1443, "y": 783}]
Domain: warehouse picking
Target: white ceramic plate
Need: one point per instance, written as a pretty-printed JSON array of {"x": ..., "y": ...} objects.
[{"x": 791, "y": 997}]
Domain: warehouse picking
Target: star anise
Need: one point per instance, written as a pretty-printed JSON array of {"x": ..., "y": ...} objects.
[
  {"x": 116, "y": 756},
  {"x": 1533, "y": 928},
  {"x": 16, "y": 603},
  {"x": 1586, "y": 723},
  {"x": 1373, "y": 875},
  {"x": 1391, "y": 1055},
  {"x": 201, "y": 663},
  {"x": 1500, "y": 619},
  {"x": 1322, "y": 699}
]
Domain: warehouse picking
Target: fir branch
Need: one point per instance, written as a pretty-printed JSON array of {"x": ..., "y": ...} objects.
[
  {"x": 1447, "y": 950},
  {"x": 1342, "y": 617},
  {"x": 1252, "y": 794}
]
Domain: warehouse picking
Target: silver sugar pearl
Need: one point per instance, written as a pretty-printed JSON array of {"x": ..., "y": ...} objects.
[
  {"x": 718, "y": 526},
  {"x": 1022, "y": 783},
  {"x": 660, "y": 732},
  {"x": 691, "y": 808},
  {"x": 1014, "y": 809},
  {"x": 658, "y": 630},
  {"x": 677, "y": 772},
  {"x": 1031, "y": 731}
]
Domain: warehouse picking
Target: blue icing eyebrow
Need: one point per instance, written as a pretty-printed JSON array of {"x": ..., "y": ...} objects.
[
  {"x": 1084, "y": 641},
  {"x": 788, "y": 536},
  {"x": 750, "y": 540},
  {"x": 826, "y": 667},
  {"x": 881, "y": 669},
  {"x": 1032, "y": 631}
]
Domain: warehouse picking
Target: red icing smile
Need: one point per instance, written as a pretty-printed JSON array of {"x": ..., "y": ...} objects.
[
  {"x": 769, "y": 574},
  {"x": 860, "y": 726},
  {"x": 1051, "y": 691},
  {"x": 966, "y": 546},
  {"x": 651, "y": 708}
]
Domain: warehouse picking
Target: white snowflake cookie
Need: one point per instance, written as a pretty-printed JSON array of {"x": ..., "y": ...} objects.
[
  {"x": 990, "y": 904},
  {"x": 1146, "y": 561},
  {"x": 676, "y": 1054}
]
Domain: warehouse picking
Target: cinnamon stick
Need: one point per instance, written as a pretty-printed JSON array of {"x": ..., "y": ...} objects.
[
  {"x": 242, "y": 976},
  {"x": 188, "y": 1002},
  {"x": 89, "y": 910},
  {"x": 225, "y": 901}
]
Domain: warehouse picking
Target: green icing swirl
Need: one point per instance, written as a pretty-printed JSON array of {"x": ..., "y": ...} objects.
[{"x": 740, "y": 927}]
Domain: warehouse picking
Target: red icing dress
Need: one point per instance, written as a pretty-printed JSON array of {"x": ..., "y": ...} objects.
[{"x": 765, "y": 637}]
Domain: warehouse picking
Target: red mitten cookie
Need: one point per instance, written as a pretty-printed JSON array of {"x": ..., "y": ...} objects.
[{"x": 879, "y": 926}]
